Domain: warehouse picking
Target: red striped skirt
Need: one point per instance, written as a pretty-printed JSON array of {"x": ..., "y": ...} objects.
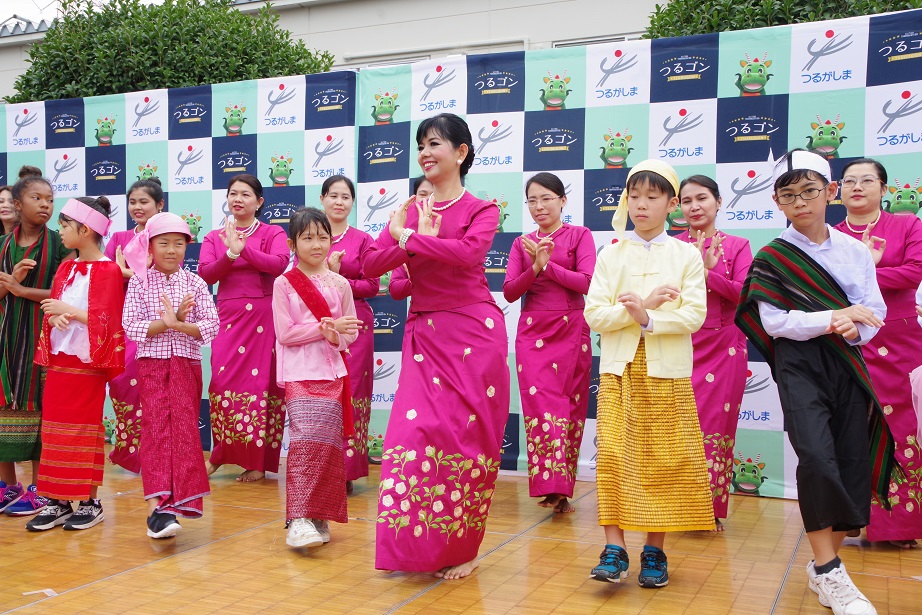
[{"x": 72, "y": 432}]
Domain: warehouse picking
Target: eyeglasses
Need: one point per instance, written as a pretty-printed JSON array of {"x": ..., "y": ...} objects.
[
  {"x": 547, "y": 200},
  {"x": 807, "y": 195},
  {"x": 866, "y": 182}
]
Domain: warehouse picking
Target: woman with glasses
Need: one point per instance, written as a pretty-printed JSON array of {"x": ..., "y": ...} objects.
[
  {"x": 347, "y": 254},
  {"x": 719, "y": 374},
  {"x": 895, "y": 242},
  {"x": 551, "y": 269}
]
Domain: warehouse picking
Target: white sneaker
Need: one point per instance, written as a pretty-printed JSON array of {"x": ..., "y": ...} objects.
[
  {"x": 837, "y": 591},
  {"x": 811, "y": 579},
  {"x": 323, "y": 528},
  {"x": 302, "y": 533}
]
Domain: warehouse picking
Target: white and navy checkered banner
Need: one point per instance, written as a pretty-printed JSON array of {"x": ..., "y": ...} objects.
[{"x": 718, "y": 104}]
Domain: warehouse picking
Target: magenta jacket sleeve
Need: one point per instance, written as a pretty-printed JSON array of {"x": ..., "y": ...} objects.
[
  {"x": 275, "y": 261},
  {"x": 578, "y": 280},
  {"x": 909, "y": 273},
  {"x": 468, "y": 251},
  {"x": 520, "y": 275},
  {"x": 400, "y": 286},
  {"x": 213, "y": 262},
  {"x": 110, "y": 249},
  {"x": 731, "y": 289},
  {"x": 365, "y": 287},
  {"x": 384, "y": 255}
]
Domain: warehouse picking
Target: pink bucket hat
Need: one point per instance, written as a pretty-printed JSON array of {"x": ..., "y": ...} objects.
[{"x": 138, "y": 248}]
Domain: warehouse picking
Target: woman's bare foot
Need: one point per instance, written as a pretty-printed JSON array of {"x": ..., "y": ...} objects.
[
  {"x": 211, "y": 468},
  {"x": 904, "y": 544},
  {"x": 251, "y": 476},
  {"x": 550, "y": 501},
  {"x": 718, "y": 526},
  {"x": 564, "y": 506},
  {"x": 349, "y": 487},
  {"x": 457, "y": 572}
]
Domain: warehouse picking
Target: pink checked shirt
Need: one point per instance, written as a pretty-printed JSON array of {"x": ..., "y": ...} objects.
[{"x": 143, "y": 306}]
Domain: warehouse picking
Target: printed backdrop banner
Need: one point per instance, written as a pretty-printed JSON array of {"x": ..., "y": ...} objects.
[{"x": 719, "y": 104}]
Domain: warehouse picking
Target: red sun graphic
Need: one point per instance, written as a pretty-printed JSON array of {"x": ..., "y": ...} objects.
[
  {"x": 830, "y": 33},
  {"x": 329, "y": 138},
  {"x": 618, "y": 53},
  {"x": 906, "y": 94},
  {"x": 438, "y": 69},
  {"x": 751, "y": 174},
  {"x": 281, "y": 86},
  {"x": 382, "y": 191},
  {"x": 379, "y": 362},
  {"x": 147, "y": 99},
  {"x": 189, "y": 148},
  {"x": 25, "y": 112},
  {"x": 65, "y": 158},
  {"x": 494, "y": 123},
  {"x": 683, "y": 112}
]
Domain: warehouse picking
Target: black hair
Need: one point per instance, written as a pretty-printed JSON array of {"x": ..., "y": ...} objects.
[
  {"x": 704, "y": 181},
  {"x": 20, "y": 186},
  {"x": 27, "y": 170},
  {"x": 419, "y": 182},
  {"x": 328, "y": 183},
  {"x": 651, "y": 178},
  {"x": 253, "y": 182},
  {"x": 151, "y": 186},
  {"x": 797, "y": 175},
  {"x": 7, "y": 188},
  {"x": 549, "y": 181},
  {"x": 878, "y": 167},
  {"x": 454, "y": 130},
  {"x": 304, "y": 218},
  {"x": 100, "y": 204}
]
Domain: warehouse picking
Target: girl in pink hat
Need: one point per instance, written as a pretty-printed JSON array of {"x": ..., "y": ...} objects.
[{"x": 170, "y": 313}]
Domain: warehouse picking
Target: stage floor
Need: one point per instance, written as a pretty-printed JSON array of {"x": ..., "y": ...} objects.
[{"x": 235, "y": 560}]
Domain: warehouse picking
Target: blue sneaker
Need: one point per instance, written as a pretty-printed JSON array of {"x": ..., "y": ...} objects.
[
  {"x": 11, "y": 494},
  {"x": 652, "y": 568},
  {"x": 29, "y": 504},
  {"x": 613, "y": 565}
]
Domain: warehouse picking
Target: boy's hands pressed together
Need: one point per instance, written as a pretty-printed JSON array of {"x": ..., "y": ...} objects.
[{"x": 635, "y": 307}]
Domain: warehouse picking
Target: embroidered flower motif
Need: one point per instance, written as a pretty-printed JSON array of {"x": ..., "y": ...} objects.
[
  {"x": 249, "y": 307},
  {"x": 727, "y": 407},
  {"x": 458, "y": 510},
  {"x": 732, "y": 352},
  {"x": 532, "y": 391},
  {"x": 888, "y": 409},
  {"x": 241, "y": 350},
  {"x": 350, "y": 452},
  {"x": 908, "y": 453},
  {"x": 539, "y": 344},
  {"x": 546, "y": 475},
  {"x": 437, "y": 506},
  {"x": 709, "y": 377},
  {"x": 475, "y": 473},
  {"x": 387, "y": 500},
  {"x": 400, "y": 488},
  {"x": 387, "y": 484},
  {"x": 418, "y": 531},
  {"x": 910, "y": 439},
  {"x": 455, "y": 495},
  {"x": 259, "y": 329},
  {"x": 577, "y": 397},
  {"x": 429, "y": 322},
  {"x": 426, "y": 466},
  {"x": 411, "y": 414},
  {"x": 528, "y": 320},
  {"x": 430, "y": 451},
  {"x": 520, "y": 368},
  {"x": 491, "y": 391},
  {"x": 435, "y": 380},
  {"x": 411, "y": 456},
  {"x": 405, "y": 506},
  {"x": 554, "y": 365},
  {"x": 585, "y": 347},
  {"x": 133, "y": 382},
  {"x": 566, "y": 319},
  {"x": 909, "y": 507},
  {"x": 489, "y": 323},
  {"x": 255, "y": 372},
  {"x": 467, "y": 351},
  {"x": 418, "y": 358},
  {"x": 882, "y": 351}
]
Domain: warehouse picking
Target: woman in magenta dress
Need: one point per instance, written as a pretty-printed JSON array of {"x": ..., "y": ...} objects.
[
  {"x": 442, "y": 446},
  {"x": 552, "y": 268},
  {"x": 245, "y": 257},
  {"x": 719, "y": 375},
  {"x": 895, "y": 242},
  {"x": 145, "y": 198},
  {"x": 350, "y": 246}
]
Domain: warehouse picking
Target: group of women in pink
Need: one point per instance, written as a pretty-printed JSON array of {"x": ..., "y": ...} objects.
[{"x": 444, "y": 437}]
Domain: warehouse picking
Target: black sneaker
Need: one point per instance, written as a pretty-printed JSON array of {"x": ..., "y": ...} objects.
[
  {"x": 88, "y": 514},
  {"x": 54, "y": 514},
  {"x": 653, "y": 571},
  {"x": 162, "y": 525}
]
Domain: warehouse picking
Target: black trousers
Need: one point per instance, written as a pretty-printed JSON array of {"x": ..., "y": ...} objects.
[{"x": 826, "y": 417}]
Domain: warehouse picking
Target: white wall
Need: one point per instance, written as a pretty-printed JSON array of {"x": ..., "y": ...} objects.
[{"x": 368, "y": 32}]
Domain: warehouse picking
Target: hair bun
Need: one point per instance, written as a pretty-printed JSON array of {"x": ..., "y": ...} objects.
[{"x": 156, "y": 180}]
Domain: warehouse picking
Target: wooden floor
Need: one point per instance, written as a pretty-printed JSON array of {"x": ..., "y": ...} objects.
[{"x": 235, "y": 561}]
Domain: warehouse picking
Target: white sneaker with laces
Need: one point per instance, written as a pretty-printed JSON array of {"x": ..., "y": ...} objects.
[
  {"x": 837, "y": 591},
  {"x": 323, "y": 528},
  {"x": 302, "y": 533},
  {"x": 811, "y": 579}
]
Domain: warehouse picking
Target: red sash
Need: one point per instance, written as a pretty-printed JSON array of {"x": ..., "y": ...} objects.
[{"x": 319, "y": 308}]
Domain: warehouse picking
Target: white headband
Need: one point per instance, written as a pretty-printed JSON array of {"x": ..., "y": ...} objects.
[{"x": 801, "y": 159}]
